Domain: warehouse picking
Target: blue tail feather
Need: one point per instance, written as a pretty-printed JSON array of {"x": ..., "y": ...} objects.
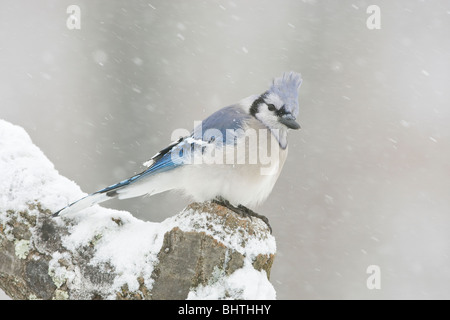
[{"x": 163, "y": 162}]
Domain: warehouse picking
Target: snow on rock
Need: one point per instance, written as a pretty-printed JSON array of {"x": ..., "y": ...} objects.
[
  {"x": 204, "y": 252},
  {"x": 27, "y": 175},
  {"x": 245, "y": 283}
]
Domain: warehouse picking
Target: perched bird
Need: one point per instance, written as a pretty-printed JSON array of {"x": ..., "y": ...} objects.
[{"x": 233, "y": 157}]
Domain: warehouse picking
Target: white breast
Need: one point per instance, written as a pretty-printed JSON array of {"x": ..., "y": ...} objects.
[{"x": 243, "y": 180}]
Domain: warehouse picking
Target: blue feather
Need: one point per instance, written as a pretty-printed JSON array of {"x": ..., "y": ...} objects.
[
  {"x": 163, "y": 161},
  {"x": 286, "y": 87},
  {"x": 163, "y": 164},
  {"x": 231, "y": 117}
]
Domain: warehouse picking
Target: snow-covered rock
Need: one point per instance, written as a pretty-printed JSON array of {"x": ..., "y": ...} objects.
[{"x": 204, "y": 252}]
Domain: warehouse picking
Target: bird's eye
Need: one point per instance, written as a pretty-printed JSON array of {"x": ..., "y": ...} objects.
[{"x": 271, "y": 107}]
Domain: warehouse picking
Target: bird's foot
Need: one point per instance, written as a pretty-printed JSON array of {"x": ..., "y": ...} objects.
[
  {"x": 242, "y": 211},
  {"x": 250, "y": 213}
]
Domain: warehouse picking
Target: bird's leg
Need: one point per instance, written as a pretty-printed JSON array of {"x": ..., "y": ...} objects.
[{"x": 242, "y": 210}]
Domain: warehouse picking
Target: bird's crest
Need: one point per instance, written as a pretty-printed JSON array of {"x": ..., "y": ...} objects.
[{"x": 286, "y": 87}]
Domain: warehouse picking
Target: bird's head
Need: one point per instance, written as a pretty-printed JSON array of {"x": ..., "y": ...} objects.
[{"x": 278, "y": 107}]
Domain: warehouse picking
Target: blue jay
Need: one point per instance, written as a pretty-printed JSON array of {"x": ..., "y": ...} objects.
[{"x": 207, "y": 165}]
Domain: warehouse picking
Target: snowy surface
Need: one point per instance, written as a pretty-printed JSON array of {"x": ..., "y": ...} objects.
[
  {"x": 122, "y": 241},
  {"x": 3, "y": 295},
  {"x": 245, "y": 283},
  {"x": 27, "y": 175}
]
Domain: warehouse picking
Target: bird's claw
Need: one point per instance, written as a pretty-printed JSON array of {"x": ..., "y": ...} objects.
[{"x": 242, "y": 211}]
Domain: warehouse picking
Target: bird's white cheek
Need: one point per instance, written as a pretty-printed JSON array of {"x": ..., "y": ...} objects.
[{"x": 268, "y": 119}]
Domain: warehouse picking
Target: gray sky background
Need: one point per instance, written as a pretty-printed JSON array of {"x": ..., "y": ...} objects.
[{"x": 367, "y": 178}]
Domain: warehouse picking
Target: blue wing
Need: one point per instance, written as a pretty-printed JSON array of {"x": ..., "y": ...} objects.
[
  {"x": 231, "y": 117},
  {"x": 176, "y": 154},
  {"x": 162, "y": 161}
]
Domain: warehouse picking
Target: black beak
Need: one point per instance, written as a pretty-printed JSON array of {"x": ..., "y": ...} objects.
[{"x": 289, "y": 121}]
